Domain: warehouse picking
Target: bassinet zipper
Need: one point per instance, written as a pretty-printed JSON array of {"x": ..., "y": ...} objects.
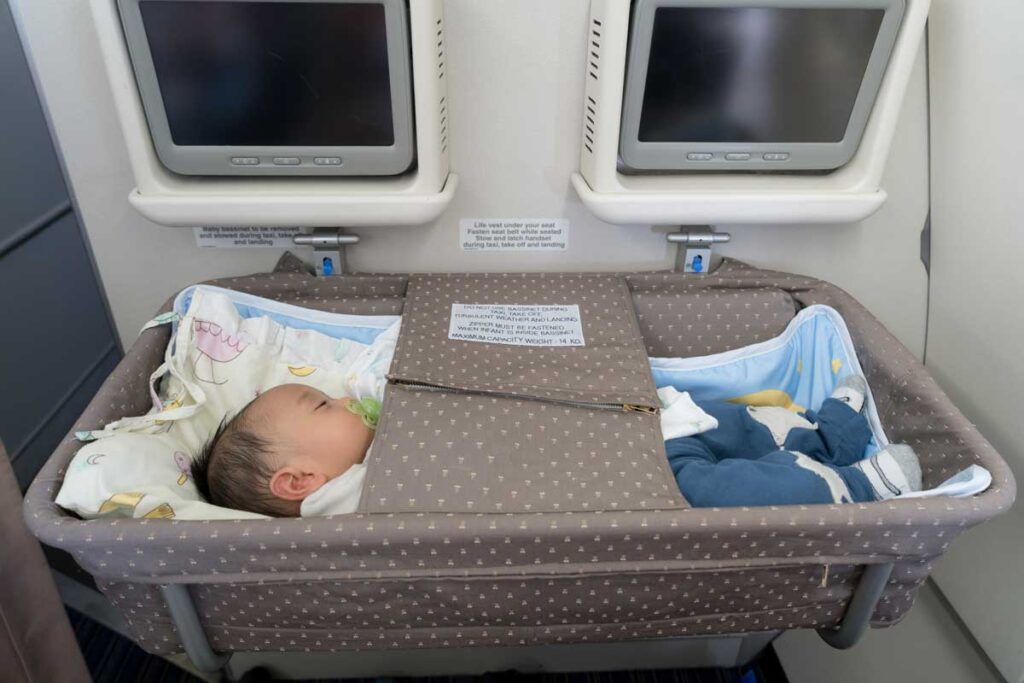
[{"x": 626, "y": 407}]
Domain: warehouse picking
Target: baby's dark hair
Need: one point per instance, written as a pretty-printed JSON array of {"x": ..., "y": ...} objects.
[{"x": 233, "y": 470}]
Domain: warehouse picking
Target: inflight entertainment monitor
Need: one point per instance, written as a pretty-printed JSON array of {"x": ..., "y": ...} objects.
[
  {"x": 274, "y": 87},
  {"x": 783, "y": 85}
]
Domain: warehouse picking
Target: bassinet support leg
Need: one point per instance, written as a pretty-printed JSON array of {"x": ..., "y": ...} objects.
[
  {"x": 190, "y": 630},
  {"x": 862, "y": 606}
]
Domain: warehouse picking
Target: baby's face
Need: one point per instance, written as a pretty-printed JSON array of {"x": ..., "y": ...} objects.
[{"x": 312, "y": 433}]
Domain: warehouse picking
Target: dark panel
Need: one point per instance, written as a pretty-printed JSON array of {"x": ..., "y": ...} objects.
[
  {"x": 284, "y": 77},
  {"x": 63, "y": 562},
  {"x": 35, "y": 454},
  {"x": 755, "y": 74},
  {"x": 31, "y": 183},
  {"x": 55, "y": 329}
]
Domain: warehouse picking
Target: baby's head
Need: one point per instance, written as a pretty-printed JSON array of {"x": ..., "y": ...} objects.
[{"x": 279, "y": 449}]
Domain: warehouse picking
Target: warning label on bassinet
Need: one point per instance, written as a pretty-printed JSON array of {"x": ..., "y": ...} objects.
[{"x": 517, "y": 325}]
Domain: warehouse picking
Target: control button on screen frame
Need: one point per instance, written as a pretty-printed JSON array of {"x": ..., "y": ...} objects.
[
  {"x": 327, "y": 161},
  {"x": 287, "y": 161},
  {"x": 699, "y": 156},
  {"x": 776, "y": 156},
  {"x": 737, "y": 156},
  {"x": 245, "y": 161}
]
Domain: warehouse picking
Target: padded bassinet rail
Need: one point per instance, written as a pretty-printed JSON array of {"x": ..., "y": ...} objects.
[{"x": 419, "y": 569}]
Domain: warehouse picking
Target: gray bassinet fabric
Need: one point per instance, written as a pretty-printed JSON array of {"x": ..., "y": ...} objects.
[
  {"x": 452, "y": 452},
  {"x": 418, "y": 579},
  {"x": 474, "y": 427},
  {"x": 611, "y": 367}
]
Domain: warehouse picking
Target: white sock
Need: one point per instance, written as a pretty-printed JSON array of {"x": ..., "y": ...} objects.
[
  {"x": 851, "y": 390},
  {"x": 892, "y": 472},
  {"x": 680, "y": 416}
]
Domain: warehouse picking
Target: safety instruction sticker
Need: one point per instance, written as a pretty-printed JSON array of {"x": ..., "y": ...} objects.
[
  {"x": 514, "y": 234},
  {"x": 517, "y": 325},
  {"x": 235, "y": 238}
]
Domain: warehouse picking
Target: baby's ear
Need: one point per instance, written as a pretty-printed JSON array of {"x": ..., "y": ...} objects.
[{"x": 292, "y": 483}]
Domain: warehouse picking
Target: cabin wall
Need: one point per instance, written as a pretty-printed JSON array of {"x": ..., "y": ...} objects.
[
  {"x": 976, "y": 324},
  {"x": 516, "y": 70}
]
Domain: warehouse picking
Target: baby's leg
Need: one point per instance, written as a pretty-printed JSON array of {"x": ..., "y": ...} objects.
[
  {"x": 839, "y": 438},
  {"x": 687, "y": 449},
  {"x": 841, "y": 434},
  {"x": 738, "y": 435},
  {"x": 774, "y": 479},
  {"x": 788, "y": 478}
]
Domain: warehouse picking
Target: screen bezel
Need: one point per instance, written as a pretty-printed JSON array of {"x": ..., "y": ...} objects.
[
  {"x": 392, "y": 159},
  {"x": 638, "y": 155}
]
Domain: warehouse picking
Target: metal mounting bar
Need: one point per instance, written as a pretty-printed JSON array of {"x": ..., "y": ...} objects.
[
  {"x": 190, "y": 630},
  {"x": 699, "y": 237},
  {"x": 328, "y": 249},
  {"x": 698, "y": 243},
  {"x": 862, "y": 605}
]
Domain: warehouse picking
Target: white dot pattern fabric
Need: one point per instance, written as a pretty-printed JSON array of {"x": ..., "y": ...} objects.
[
  {"x": 397, "y": 580},
  {"x": 500, "y": 435},
  {"x": 611, "y": 367},
  {"x": 711, "y": 318},
  {"x": 456, "y": 452}
]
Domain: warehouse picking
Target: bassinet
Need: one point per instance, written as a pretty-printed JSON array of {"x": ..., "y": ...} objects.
[{"x": 422, "y": 571}]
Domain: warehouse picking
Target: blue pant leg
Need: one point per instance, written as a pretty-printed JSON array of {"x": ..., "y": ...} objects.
[
  {"x": 738, "y": 434},
  {"x": 687, "y": 449},
  {"x": 841, "y": 438},
  {"x": 774, "y": 479},
  {"x": 857, "y": 482}
]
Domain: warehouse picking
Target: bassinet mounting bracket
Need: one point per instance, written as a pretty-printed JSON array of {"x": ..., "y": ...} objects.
[
  {"x": 190, "y": 629},
  {"x": 699, "y": 243},
  {"x": 862, "y": 605},
  {"x": 328, "y": 249}
]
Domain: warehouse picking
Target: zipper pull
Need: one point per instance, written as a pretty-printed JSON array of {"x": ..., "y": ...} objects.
[
  {"x": 824, "y": 578},
  {"x": 633, "y": 408}
]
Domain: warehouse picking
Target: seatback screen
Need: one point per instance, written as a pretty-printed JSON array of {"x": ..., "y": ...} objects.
[
  {"x": 751, "y": 74},
  {"x": 272, "y": 73}
]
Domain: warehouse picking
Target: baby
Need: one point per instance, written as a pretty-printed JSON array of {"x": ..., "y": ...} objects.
[
  {"x": 278, "y": 454},
  {"x": 294, "y": 451}
]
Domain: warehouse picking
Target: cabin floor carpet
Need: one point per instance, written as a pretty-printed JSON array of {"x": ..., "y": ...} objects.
[{"x": 112, "y": 658}]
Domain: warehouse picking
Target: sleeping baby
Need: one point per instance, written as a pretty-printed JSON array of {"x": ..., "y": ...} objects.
[{"x": 293, "y": 451}]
